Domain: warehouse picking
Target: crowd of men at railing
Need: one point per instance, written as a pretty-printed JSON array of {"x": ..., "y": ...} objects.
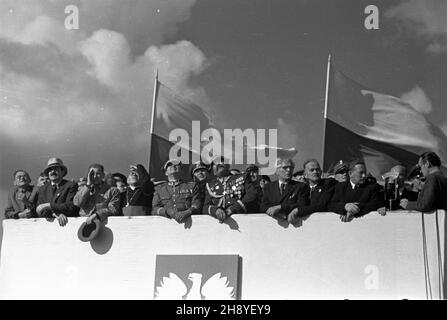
[{"x": 218, "y": 191}]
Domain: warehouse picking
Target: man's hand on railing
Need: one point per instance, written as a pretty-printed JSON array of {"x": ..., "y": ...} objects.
[
  {"x": 404, "y": 203},
  {"x": 25, "y": 214},
  {"x": 221, "y": 215},
  {"x": 272, "y": 211},
  {"x": 293, "y": 216},
  {"x": 41, "y": 208}
]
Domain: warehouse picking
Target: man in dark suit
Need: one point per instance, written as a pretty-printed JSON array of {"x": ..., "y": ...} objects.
[
  {"x": 139, "y": 193},
  {"x": 355, "y": 197},
  {"x": 283, "y": 195},
  {"x": 320, "y": 191},
  {"x": 433, "y": 193},
  {"x": 56, "y": 198}
]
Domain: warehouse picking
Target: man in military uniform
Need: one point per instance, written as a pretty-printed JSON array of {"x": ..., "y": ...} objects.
[
  {"x": 175, "y": 198},
  {"x": 227, "y": 194},
  {"x": 200, "y": 175}
]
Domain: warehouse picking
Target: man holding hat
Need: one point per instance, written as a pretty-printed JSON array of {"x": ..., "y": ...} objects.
[
  {"x": 56, "y": 198},
  {"x": 227, "y": 194},
  {"x": 175, "y": 199}
]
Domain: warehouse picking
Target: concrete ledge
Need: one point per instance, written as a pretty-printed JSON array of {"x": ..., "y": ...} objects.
[{"x": 373, "y": 257}]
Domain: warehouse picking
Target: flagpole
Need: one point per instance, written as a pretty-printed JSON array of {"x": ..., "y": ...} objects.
[
  {"x": 328, "y": 71},
  {"x": 154, "y": 100}
]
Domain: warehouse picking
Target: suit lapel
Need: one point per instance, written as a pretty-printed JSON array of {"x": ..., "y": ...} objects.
[
  {"x": 58, "y": 190},
  {"x": 48, "y": 193},
  {"x": 289, "y": 188},
  {"x": 276, "y": 191}
]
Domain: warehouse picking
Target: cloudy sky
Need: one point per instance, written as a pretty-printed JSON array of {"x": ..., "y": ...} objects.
[{"x": 85, "y": 95}]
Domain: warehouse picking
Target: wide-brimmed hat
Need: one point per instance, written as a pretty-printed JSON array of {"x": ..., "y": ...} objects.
[
  {"x": 56, "y": 162},
  {"x": 87, "y": 232}
]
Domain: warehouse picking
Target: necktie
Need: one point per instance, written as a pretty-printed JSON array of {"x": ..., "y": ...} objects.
[
  {"x": 54, "y": 189},
  {"x": 283, "y": 188}
]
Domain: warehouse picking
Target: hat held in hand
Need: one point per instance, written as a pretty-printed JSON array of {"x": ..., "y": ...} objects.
[{"x": 87, "y": 232}]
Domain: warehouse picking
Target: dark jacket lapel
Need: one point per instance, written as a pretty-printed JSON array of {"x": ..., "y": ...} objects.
[
  {"x": 289, "y": 188},
  {"x": 59, "y": 190}
]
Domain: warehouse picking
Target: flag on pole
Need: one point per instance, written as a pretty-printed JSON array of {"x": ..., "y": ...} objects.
[
  {"x": 172, "y": 112},
  {"x": 381, "y": 129},
  {"x": 174, "y": 116}
]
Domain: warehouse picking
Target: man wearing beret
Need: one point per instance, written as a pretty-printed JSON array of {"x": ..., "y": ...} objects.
[
  {"x": 285, "y": 194},
  {"x": 56, "y": 198},
  {"x": 227, "y": 194},
  {"x": 175, "y": 199}
]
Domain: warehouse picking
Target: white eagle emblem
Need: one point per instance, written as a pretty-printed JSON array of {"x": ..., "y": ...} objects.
[{"x": 173, "y": 288}]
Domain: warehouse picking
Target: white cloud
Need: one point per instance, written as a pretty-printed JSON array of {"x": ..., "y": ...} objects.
[
  {"x": 141, "y": 22},
  {"x": 444, "y": 128},
  {"x": 86, "y": 95},
  {"x": 108, "y": 52},
  {"x": 423, "y": 19},
  {"x": 418, "y": 100}
]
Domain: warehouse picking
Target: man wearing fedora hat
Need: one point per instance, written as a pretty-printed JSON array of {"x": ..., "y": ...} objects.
[
  {"x": 176, "y": 199},
  {"x": 56, "y": 198}
]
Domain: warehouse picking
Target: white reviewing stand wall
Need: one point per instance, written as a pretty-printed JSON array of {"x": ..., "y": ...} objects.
[{"x": 373, "y": 257}]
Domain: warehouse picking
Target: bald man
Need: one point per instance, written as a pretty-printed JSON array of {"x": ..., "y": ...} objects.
[{"x": 403, "y": 191}]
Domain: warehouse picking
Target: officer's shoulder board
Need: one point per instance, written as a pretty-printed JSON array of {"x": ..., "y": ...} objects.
[
  {"x": 189, "y": 184},
  {"x": 161, "y": 185}
]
